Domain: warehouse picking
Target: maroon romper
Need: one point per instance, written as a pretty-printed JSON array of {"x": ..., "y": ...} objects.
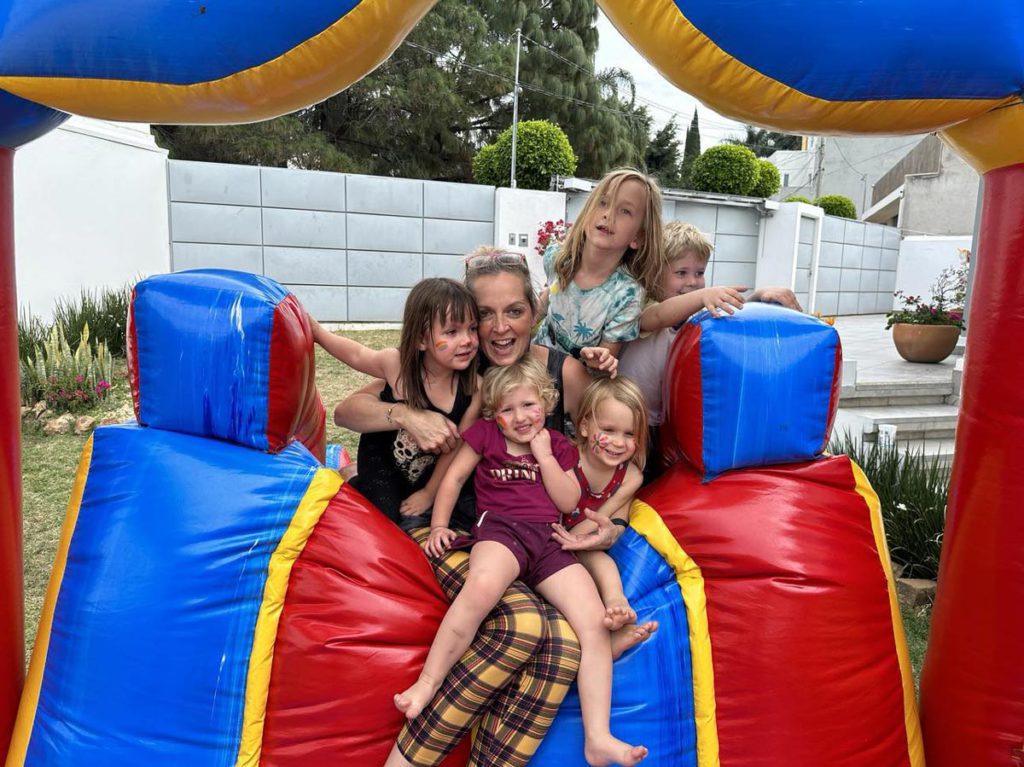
[
  {"x": 591, "y": 501},
  {"x": 513, "y": 508}
]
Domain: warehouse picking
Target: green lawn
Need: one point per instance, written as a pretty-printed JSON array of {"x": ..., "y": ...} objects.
[{"x": 49, "y": 463}]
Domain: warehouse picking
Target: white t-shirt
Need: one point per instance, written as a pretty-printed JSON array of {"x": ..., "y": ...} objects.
[{"x": 643, "y": 362}]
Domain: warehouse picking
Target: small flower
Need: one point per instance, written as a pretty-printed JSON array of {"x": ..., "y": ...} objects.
[{"x": 79, "y": 378}]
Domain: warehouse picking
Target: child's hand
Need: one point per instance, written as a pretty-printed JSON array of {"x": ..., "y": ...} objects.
[
  {"x": 599, "y": 358},
  {"x": 439, "y": 541},
  {"x": 722, "y": 299},
  {"x": 416, "y": 504},
  {"x": 540, "y": 445}
]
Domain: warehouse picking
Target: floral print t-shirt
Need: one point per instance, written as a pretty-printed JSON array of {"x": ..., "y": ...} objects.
[{"x": 577, "y": 318}]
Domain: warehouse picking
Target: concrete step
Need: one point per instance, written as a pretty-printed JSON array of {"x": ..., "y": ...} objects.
[
  {"x": 877, "y": 394},
  {"x": 906, "y": 418}
]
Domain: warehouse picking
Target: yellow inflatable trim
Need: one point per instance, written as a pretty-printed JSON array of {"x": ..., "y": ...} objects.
[
  {"x": 694, "y": 63},
  {"x": 646, "y": 521},
  {"x": 30, "y": 696},
  {"x": 325, "y": 485},
  {"x": 915, "y": 745},
  {"x": 317, "y": 68}
]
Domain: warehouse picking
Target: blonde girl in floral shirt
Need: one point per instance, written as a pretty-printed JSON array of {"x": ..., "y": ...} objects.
[{"x": 599, "y": 276}]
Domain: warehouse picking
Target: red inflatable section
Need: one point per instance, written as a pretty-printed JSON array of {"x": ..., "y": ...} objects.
[
  {"x": 362, "y": 609},
  {"x": 972, "y": 688},
  {"x": 798, "y": 600},
  {"x": 294, "y": 406},
  {"x": 12, "y": 629}
]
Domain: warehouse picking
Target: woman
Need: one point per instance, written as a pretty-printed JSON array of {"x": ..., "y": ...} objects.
[{"x": 525, "y": 656}]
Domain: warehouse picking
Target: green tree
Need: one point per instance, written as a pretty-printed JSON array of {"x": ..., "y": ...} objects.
[
  {"x": 691, "y": 151},
  {"x": 764, "y": 142},
  {"x": 542, "y": 150},
  {"x": 768, "y": 180},
  {"x": 726, "y": 169},
  {"x": 449, "y": 88},
  {"x": 662, "y": 158},
  {"x": 285, "y": 141},
  {"x": 837, "y": 205}
]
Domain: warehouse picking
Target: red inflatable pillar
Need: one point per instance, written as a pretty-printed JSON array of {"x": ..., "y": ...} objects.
[
  {"x": 12, "y": 622},
  {"x": 972, "y": 688}
]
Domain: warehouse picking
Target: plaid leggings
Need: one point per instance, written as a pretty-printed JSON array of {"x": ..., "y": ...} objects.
[{"x": 512, "y": 679}]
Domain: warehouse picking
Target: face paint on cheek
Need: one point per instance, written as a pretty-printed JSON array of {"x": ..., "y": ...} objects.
[
  {"x": 440, "y": 345},
  {"x": 599, "y": 442},
  {"x": 502, "y": 423}
]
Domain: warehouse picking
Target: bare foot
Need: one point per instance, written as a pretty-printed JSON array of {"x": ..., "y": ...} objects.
[
  {"x": 415, "y": 699},
  {"x": 617, "y": 614},
  {"x": 630, "y": 636},
  {"x": 601, "y": 752}
]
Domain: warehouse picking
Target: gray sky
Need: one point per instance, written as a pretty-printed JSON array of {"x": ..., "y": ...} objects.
[{"x": 614, "y": 51}]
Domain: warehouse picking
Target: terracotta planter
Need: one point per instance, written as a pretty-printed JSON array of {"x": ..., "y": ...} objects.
[{"x": 924, "y": 343}]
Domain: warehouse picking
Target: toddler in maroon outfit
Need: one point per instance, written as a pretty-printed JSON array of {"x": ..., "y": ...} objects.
[{"x": 525, "y": 478}]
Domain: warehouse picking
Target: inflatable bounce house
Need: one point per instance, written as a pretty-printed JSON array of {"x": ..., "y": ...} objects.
[
  {"x": 210, "y": 605},
  {"x": 220, "y": 597}
]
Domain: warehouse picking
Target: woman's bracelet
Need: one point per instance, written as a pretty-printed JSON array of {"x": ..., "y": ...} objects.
[
  {"x": 387, "y": 416},
  {"x": 620, "y": 522}
]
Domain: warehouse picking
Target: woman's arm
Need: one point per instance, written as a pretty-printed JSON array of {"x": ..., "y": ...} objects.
[
  {"x": 598, "y": 532},
  {"x": 422, "y": 499},
  {"x": 364, "y": 412},
  {"x": 782, "y": 296},
  {"x": 382, "y": 363}
]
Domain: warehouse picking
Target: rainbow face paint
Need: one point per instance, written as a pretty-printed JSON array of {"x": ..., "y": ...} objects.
[
  {"x": 502, "y": 423},
  {"x": 440, "y": 345}
]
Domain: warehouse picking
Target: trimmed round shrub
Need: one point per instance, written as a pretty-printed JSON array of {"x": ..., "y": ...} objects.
[
  {"x": 799, "y": 198},
  {"x": 725, "y": 169},
  {"x": 542, "y": 151},
  {"x": 837, "y": 205},
  {"x": 768, "y": 180}
]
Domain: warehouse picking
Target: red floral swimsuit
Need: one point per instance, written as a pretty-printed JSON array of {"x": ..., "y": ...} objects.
[{"x": 589, "y": 500}]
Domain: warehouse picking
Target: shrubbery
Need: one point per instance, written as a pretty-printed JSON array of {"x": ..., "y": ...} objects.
[
  {"x": 542, "y": 151},
  {"x": 726, "y": 169},
  {"x": 768, "y": 180},
  {"x": 837, "y": 205},
  {"x": 65, "y": 380},
  {"x": 913, "y": 490},
  {"x": 799, "y": 198}
]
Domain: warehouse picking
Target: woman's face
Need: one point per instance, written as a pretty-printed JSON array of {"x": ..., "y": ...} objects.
[{"x": 505, "y": 317}]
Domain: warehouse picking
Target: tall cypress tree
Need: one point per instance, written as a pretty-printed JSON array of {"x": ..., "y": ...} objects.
[{"x": 691, "y": 151}]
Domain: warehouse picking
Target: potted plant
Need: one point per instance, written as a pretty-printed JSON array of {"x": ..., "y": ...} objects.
[{"x": 928, "y": 331}]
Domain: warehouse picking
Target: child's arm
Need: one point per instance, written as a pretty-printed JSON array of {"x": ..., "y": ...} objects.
[
  {"x": 422, "y": 499},
  {"x": 678, "y": 309},
  {"x": 462, "y": 466},
  {"x": 379, "y": 364},
  {"x": 561, "y": 484}
]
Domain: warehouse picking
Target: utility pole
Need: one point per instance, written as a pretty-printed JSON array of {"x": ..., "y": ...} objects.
[
  {"x": 515, "y": 107},
  {"x": 820, "y": 166}
]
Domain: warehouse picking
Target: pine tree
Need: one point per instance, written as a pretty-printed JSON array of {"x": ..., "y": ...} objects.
[
  {"x": 662, "y": 156},
  {"x": 691, "y": 151}
]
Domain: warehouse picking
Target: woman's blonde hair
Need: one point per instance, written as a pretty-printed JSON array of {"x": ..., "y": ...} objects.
[
  {"x": 489, "y": 260},
  {"x": 499, "y": 381},
  {"x": 643, "y": 263},
  {"x": 621, "y": 390}
]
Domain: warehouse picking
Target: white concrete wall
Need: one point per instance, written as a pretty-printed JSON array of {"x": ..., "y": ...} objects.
[
  {"x": 943, "y": 203},
  {"x": 519, "y": 212},
  {"x": 790, "y": 243},
  {"x": 921, "y": 260},
  {"x": 90, "y": 210}
]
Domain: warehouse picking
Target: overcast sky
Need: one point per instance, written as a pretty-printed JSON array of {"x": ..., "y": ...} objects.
[{"x": 614, "y": 51}]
